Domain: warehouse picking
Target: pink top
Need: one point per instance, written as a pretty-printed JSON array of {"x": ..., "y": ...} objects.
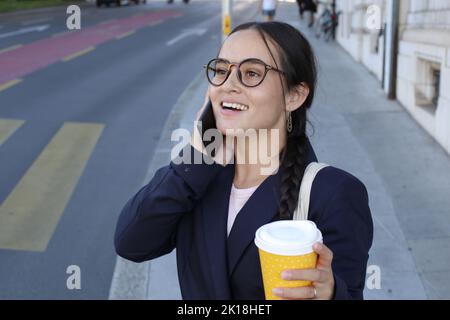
[{"x": 238, "y": 197}]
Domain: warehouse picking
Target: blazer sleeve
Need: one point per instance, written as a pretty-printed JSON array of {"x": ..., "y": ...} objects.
[
  {"x": 146, "y": 228},
  {"x": 347, "y": 229}
]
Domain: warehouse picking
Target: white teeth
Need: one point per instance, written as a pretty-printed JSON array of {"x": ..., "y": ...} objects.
[{"x": 235, "y": 106}]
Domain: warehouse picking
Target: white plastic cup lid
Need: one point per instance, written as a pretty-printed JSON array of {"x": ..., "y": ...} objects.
[{"x": 288, "y": 237}]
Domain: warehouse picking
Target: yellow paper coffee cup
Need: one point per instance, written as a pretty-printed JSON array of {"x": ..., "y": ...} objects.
[{"x": 284, "y": 245}]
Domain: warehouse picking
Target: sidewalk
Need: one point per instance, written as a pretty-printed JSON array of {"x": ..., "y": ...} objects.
[
  {"x": 356, "y": 128},
  {"x": 406, "y": 172}
]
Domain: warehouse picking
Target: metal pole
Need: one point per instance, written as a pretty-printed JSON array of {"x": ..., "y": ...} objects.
[
  {"x": 333, "y": 12},
  {"x": 226, "y": 18},
  {"x": 391, "y": 48}
]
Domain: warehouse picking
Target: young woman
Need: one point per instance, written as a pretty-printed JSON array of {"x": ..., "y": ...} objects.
[{"x": 210, "y": 212}]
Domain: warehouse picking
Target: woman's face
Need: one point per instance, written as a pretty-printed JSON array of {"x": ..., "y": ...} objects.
[{"x": 266, "y": 109}]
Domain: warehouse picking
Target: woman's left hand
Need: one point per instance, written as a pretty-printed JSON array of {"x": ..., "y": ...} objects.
[{"x": 322, "y": 278}]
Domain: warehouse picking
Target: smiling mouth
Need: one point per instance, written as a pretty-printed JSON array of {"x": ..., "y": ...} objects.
[{"x": 234, "y": 106}]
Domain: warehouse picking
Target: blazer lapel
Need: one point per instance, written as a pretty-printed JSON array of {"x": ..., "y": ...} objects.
[
  {"x": 214, "y": 216},
  {"x": 259, "y": 209},
  {"x": 224, "y": 252}
]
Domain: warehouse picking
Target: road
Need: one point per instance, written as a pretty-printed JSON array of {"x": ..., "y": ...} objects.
[{"x": 80, "y": 114}]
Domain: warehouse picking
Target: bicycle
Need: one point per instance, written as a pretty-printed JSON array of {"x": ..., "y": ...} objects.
[{"x": 327, "y": 23}]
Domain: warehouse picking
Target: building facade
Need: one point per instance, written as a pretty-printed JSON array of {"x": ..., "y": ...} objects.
[{"x": 421, "y": 71}]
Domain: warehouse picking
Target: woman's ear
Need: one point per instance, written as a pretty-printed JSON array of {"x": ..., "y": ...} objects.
[{"x": 297, "y": 97}]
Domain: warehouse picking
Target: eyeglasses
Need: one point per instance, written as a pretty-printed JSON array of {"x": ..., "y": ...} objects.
[{"x": 251, "y": 72}]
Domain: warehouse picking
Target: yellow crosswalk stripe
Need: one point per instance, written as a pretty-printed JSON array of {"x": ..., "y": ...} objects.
[
  {"x": 8, "y": 127},
  {"x": 9, "y": 84},
  {"x": 77, "y": 54},
  {"x": 126, "y": 34},
  {"x": 59, "y": 34},
  {"x": 107, "y": 21},
  {"x": 17, "y": 46},
  {"x": 31, "y": 212}
]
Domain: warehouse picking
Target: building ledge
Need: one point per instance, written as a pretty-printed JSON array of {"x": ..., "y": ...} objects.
[{"x": 437, "y": 37}]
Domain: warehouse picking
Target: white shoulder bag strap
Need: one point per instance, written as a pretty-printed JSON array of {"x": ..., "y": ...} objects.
[{"x": 301, "y": 212}]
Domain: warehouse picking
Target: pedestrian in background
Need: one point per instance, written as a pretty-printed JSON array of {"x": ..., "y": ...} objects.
[
  {"x": 301, "y": 4},
  {"x": 310, "y": 7},
  {"x": 269, "y": 8}
]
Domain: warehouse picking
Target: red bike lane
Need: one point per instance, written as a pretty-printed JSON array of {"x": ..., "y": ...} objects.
[{"x": 26, "y": 59}]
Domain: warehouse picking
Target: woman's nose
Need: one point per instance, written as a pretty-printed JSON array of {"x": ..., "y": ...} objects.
[{"x": 232, "y": 81}]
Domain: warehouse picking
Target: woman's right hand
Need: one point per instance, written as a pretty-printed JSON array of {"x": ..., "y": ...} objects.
[
  {"x": 205, "y": 103},
  {"x": 224, "y": 154},
  {"x": 196, "y": 139}
]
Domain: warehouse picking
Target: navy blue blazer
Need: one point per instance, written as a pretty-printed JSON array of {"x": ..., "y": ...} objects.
[{"x": 185, "y": 206}]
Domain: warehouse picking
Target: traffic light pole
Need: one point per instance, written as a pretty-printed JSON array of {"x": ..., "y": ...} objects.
[{"x": 226, "y": 18}]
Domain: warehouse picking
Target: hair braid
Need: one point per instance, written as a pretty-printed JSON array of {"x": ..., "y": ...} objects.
[{"x": 294, "y": 164}]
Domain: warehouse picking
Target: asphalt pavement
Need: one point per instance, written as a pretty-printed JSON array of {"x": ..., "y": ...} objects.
[{"x": 79, "y": 126}]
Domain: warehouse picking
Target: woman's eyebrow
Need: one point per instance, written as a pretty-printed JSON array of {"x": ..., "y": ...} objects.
[
  {"x": 250, "y": 58},
  {"x": 223, "y": 59}
]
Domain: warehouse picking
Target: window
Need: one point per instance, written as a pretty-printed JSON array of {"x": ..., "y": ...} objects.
[{"x": 427, "y": 84}]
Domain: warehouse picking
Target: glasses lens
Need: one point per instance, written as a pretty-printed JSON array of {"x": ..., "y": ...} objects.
[
  {"x": 217, "y": 71},
  {"x": 252, "y": 72}
]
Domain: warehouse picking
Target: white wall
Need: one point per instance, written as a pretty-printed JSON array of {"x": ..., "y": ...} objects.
[
  {"x": 354, "y": 36},
  {"x": 424, "y": 40}
]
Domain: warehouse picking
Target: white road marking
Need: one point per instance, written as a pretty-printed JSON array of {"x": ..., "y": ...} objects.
[
  {"x": 24, "y": 30},
  {"x": 186, "y": 33},
  {"x": 27, "y": 23}
]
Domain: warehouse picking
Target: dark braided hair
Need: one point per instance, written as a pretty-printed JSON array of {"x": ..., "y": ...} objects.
[{"x": 299, "y": 64}]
